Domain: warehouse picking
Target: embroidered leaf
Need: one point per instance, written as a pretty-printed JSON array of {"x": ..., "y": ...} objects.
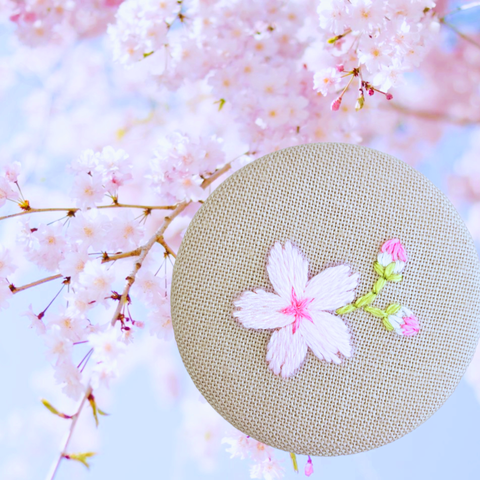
[
  {"x": 79, "y": 457},
  {"x": 54, "y": 410},
  {"x": 379, "y": 269},
  {"x": 395, "y": 277},
  {"x": 389, "y": 269},
  {"x": 376, "y": 312},
  {"x": 365, "y": 300},
  {"x": 346, "y": 309},
  {"x": 392, "y": 309},
  {"x": 379, "y": 284},
  {"x": 387, "y": 324}
]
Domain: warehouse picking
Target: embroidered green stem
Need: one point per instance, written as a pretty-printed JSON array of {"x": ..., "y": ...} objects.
[{"x": 365, "y": 301}]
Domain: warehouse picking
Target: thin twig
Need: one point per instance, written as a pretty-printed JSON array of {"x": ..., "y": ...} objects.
[
  {"x": 208, "y": 181},
  {"x": 118, "y": 256},
  {"x": 68, "y": 437},
  {"x": 34, "y": 284},
  {"x": 74, "y": 209},
  {"x": 144, "y": 251},
  {"x": 459, "y": 33},
  {"x": 434, "y": 116},
  {"x": 461, "y": 8},
  {"x": 164, "y": 244}
]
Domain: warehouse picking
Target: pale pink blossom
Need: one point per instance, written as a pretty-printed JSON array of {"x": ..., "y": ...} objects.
[
  {"x": 268, "y": 469},
  {"x": 12, "y": 171},
  {"x": 96, "y": 280},
  {"x": 125, "y": 233},
  {"x": 59, "y": 348},
  {"x": 160, "y": 320},
  {"x": 5, "y": 294},
  {"x": 89, "y": 229},
  {"x": 6, "y": 191},
  {"x": 86, "y": 162},
  {"x": 87, "y": 190},
  {"x": 326, "y": 80},
  {"x": 45, "y": 245},
  {"x": 35, "y": 321},
  {"x": 107, "y": 346},
  {"x": 74, "y": 327},
  {"x": 114, "y": 167},
  {"x": 74, "y": 263},
  {"x": 299, "y": 310},
  {"x": 7, "y": 267},
  {"x": 240, "y": 445},
  {"x": 149, "y": 288},
  {"x": 67, "y": 373}
]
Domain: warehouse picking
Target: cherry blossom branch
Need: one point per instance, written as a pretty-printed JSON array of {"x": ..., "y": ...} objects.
[
  {"x": 218, "y": 173},
  {"x": 459, "y": 33},
  {"x": 168, "y": 250},
  {"x": 145, "y": 249},
  {"x": 15, "y": 289},
  {"x": 143, "y": 253},
  {"x": 69, "y": 435},
  {"x": 74, "y": 210},
  {"x": 118, "y": 256},
  {"x": 435, "y": 116}
]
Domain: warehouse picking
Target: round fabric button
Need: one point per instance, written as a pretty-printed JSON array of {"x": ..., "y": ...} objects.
[{"x": 326, "y": 299}]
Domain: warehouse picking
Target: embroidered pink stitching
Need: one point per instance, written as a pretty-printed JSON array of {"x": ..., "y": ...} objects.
[{"x": 296, "y": 299}]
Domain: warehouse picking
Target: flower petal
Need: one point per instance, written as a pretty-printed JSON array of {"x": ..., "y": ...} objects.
[
  {"x": 287, "y": 268},
  {"x": 326, "y": 336},
  {"x": 286, "y": 351},
  {"x": 261, "y": 309},
  {"x": 332, "y": 288}
]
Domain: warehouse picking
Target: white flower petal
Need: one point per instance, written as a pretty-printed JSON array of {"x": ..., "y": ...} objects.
[
  {"x": 262, "y": 310},
  {"x": 332, "y": 288},
  {"x": 287, "y": 268},
  {"x": 286, "y": 351},
  {"x": 326, "y": 336}
]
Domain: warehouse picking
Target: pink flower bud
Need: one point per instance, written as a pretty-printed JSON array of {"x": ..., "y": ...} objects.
[
  {"x": 395, "y": 248},
  {"x": 371, "y": 91},
  {"x": 340, "y": 68},
  {"x": 388, "y": 96},
  {"x": 410, "y": 326},
  {"x": 336, "y": 104},
  {"x": 309, "y": 467},
  {"x": 404, "y": 322}
]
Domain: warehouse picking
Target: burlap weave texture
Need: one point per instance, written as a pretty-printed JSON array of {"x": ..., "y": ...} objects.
[{"x": 338, "y": 203}]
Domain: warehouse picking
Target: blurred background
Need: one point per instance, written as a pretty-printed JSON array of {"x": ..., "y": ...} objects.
[{"x": 64, "y": 88}]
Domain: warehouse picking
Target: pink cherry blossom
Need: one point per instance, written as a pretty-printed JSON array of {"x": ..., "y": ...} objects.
[
  {"x": 326, "y": 80},
  {"x": 12, "y": 171},
  {"x": 299, "y": 310},
  {"x": 5, "y": 294},
  {"x": 35, "y": 322},
  {"x": 88, "y": 190},
  {"x": 268, "y": 469},
  {"x": 96, "y": 282},
  {"x": 7, "y": 267}
]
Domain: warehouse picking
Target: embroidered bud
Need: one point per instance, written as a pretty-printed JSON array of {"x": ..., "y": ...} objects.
[
  {"x": 393, "y": 251},
  {"x": 308, "y": 467},
  {"x": 336, "y": 104},
  {"x": 404, "y": 322}
]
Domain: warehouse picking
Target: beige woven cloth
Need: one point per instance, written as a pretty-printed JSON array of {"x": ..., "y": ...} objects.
[{"x": 338, "y": 203}]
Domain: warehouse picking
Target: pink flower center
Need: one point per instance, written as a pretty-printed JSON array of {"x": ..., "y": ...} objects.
[{"x": 298, "y": 309}]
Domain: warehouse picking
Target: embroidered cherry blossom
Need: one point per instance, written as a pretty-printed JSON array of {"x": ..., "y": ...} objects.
[
  {"x": 393, "y": 251},
  {"x": 299, "y": 310},
  {"x": 404, "y": 322}
]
